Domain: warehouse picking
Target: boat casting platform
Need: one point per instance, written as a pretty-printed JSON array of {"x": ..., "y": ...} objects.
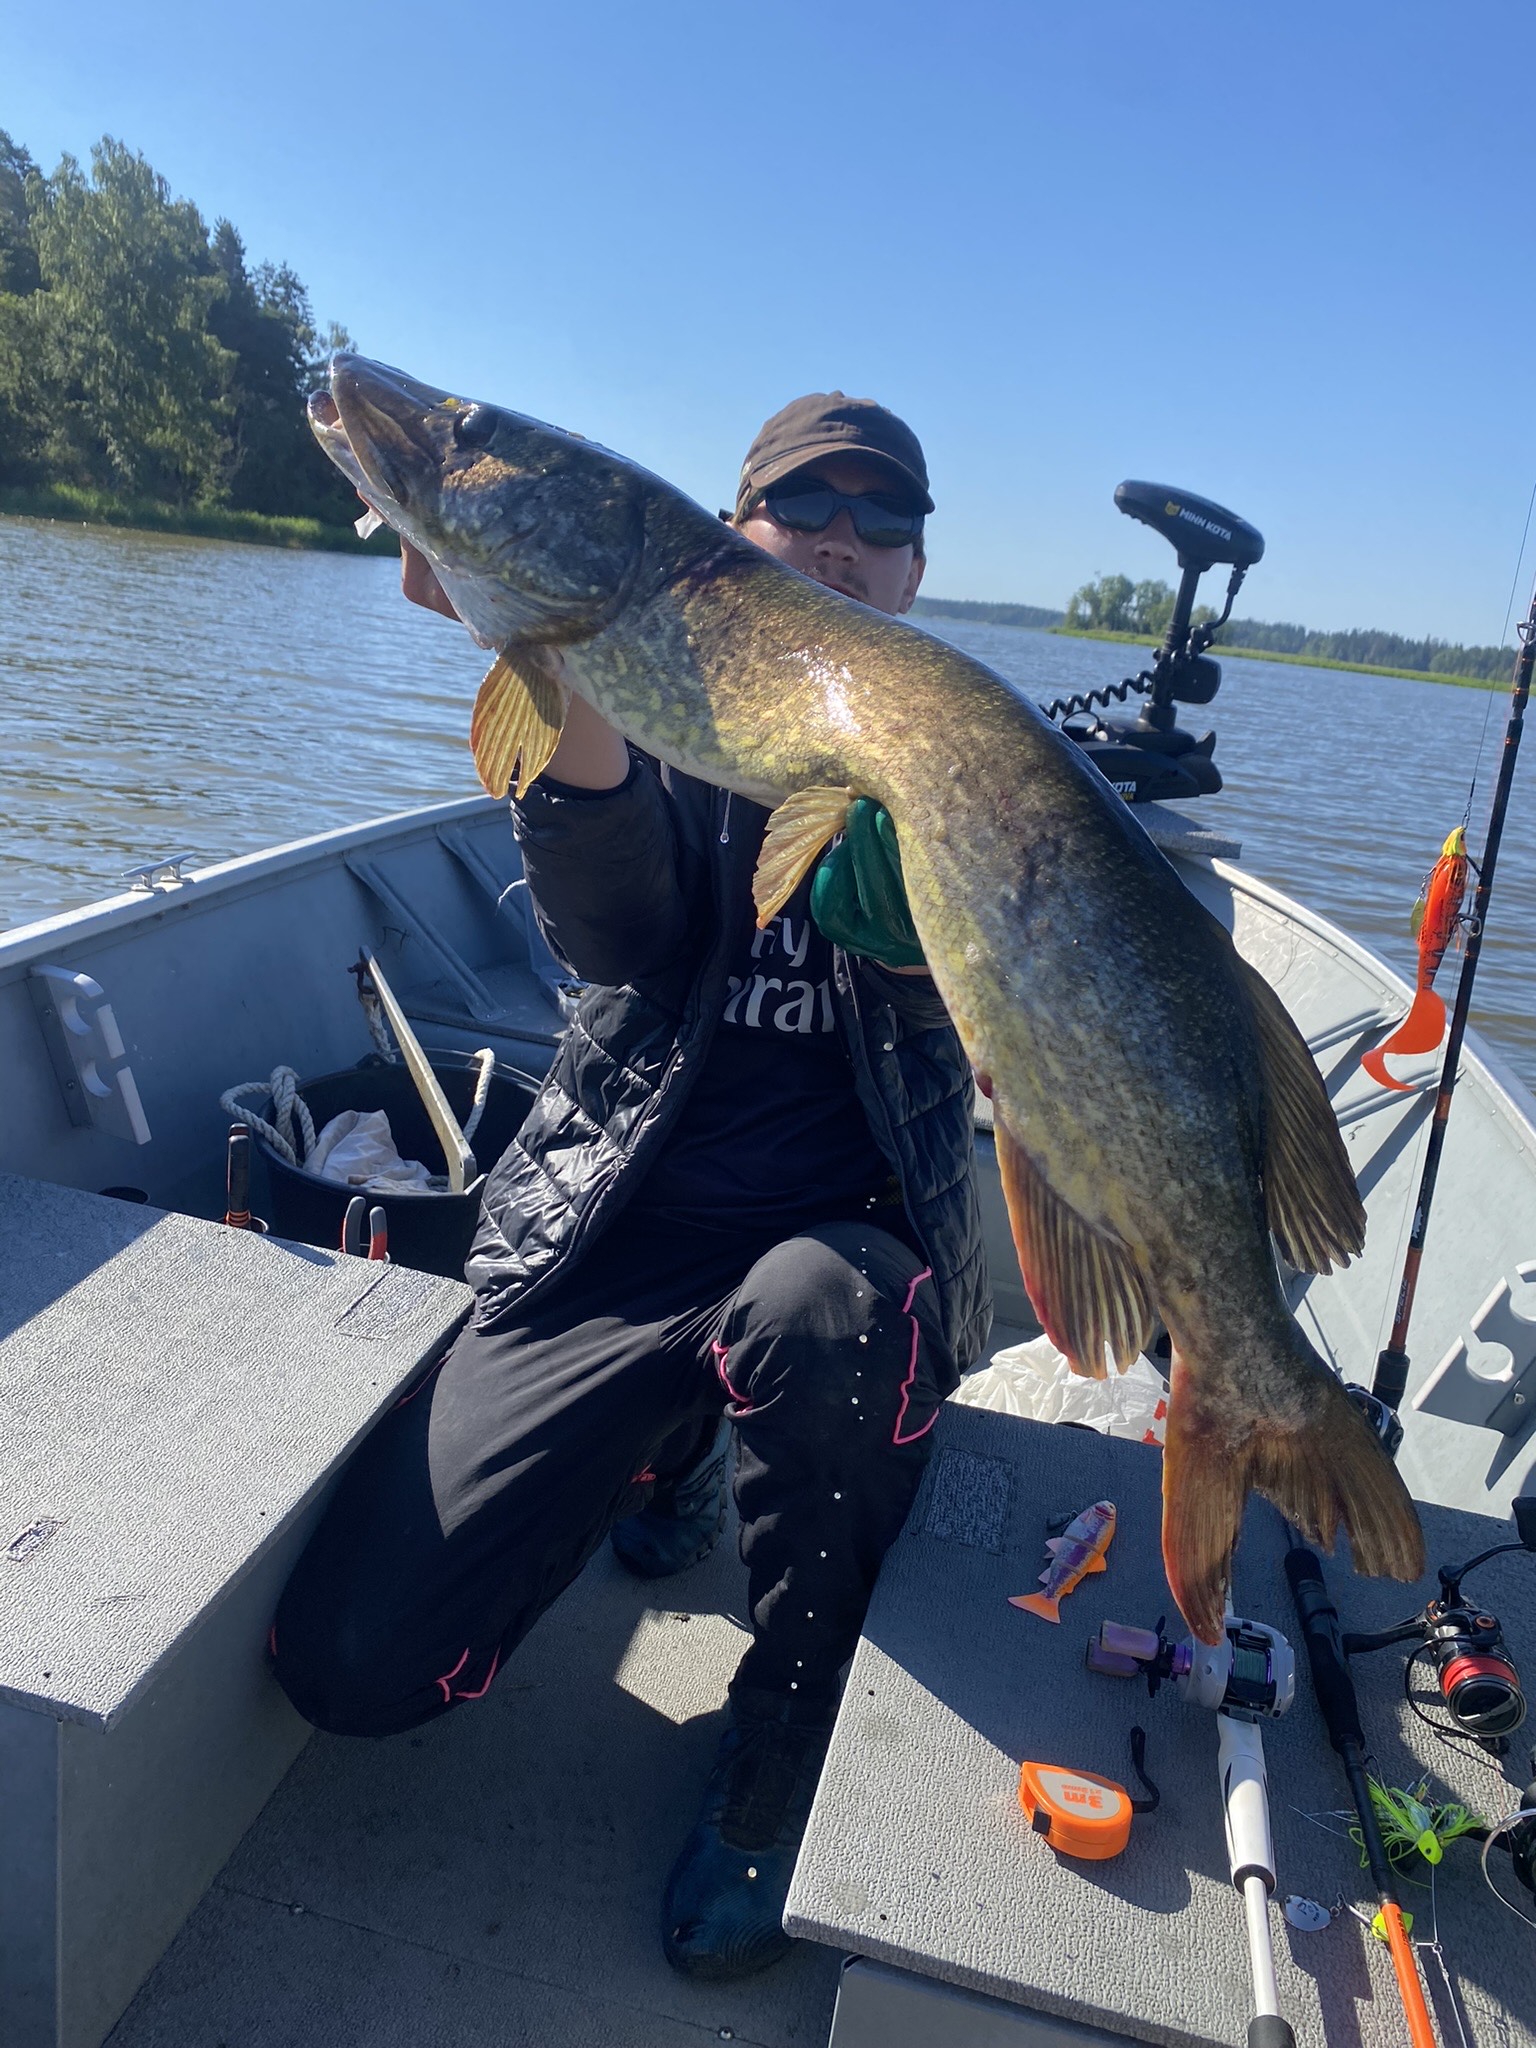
[{"x": 969, "y": 1930}]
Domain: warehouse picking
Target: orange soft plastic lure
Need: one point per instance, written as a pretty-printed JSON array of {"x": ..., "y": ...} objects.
[
  {"x": 1076, "y": 1552},
  {"x": 1436, "y": 919}
]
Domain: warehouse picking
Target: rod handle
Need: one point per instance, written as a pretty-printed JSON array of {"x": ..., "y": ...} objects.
[
  {"x": 1319, "y": 1620},
  {"x": 1269, "y": 2030},
  {"x": 1391, "y": 1379},
  {"x": 237, "y": 1178}
]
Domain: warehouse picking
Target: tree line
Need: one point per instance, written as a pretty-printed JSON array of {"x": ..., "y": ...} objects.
[
  {"x": 1113, "y": 604},
  {"x": 142, "y": 356}
]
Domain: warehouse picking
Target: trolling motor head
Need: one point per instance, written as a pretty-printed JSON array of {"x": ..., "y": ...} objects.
[{"x": 1149, "y": 759}]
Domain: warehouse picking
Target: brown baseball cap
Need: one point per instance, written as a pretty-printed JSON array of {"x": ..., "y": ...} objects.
[{"x": 831, "y": 423}]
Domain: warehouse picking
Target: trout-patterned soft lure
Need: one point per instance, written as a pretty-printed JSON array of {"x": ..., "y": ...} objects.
[
  {"x": 1436, "y": 921},
  {"x": 1076, "y": 1552}
]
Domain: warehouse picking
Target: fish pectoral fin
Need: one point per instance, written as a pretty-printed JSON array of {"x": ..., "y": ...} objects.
[
  {"x": 1086, "y": 1288},
  {"x": 1098, "y": 1562},
  {"x": 1314, "y": 1206},
  {"x": 798, "y": 830},
  {"x": 518, "y": 718},
  {"x": 1324, "y": 1469}
]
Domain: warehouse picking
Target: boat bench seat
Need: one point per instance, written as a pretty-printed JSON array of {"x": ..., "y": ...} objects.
[{"x": 175, "y": 1398}]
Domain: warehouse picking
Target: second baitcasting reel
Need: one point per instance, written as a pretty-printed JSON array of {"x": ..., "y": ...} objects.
[{"x": 1149, "y": 759}]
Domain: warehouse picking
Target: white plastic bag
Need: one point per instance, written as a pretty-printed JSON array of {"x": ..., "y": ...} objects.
[
  {"x": 1035, "y": 1380},
  {"x": 357, "y": 1148}
]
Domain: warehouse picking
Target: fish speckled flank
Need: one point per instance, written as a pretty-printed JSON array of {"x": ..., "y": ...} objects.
[{"x": 1160, "y": 1124}]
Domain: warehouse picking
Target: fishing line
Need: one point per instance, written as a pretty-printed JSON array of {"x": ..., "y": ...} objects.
[
  {"x": 1501, "y": 1827},
  {"x": 1509, "y": 612}
]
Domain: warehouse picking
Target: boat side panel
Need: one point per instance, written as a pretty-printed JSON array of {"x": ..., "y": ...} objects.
[{"x": 1483, "y": 1225}]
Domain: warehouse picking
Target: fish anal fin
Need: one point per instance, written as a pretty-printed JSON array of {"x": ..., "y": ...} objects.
[
  {"x": 1086, "y": 1288},
  {"x": 1327, "y": 1469},
  {"x": 1313, "y": 1204},
  {"x": 518, "y": 717},
  {"x": 797, "y": 831}
]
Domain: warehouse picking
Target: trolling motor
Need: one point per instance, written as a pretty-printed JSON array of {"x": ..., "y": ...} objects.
[
  {"x": 1248, "y": 1677},
  {"x": 1150, "y": 759}
]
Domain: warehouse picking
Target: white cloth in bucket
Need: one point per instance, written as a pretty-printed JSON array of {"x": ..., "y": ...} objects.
[
  {"x": 1036, "y": 1381},
  {"x": 357, "y": 1149}
]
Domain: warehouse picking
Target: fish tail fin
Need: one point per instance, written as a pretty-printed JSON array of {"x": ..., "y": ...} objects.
[
  {"x": 1041, "y": 1604},
  {"x": 1329, "y": 1469},
  {"x": 1420, "y": 1031}
]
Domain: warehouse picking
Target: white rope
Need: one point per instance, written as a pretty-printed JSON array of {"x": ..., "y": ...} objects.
[
  {"x": 378, "y": 1029},
  {"x": 282, "y": 1088},
  {"x": 487, "y": 1058}
]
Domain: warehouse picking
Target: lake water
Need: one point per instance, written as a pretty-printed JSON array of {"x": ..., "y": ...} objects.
[{"x": 163, "y": 695}]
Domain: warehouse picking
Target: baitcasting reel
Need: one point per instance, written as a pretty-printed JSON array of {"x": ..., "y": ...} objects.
[
  {"x": 1149, "y": 759},
  {"x": 1250, "y": 1673},
  {"x": 1478, "y": 1682}
]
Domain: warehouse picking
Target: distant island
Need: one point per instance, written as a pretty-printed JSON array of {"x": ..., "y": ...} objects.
[
  {"x": 985, "y": 614},
  {"x": 150, "y": 376},
  {"x": 1115, "y": 608}
]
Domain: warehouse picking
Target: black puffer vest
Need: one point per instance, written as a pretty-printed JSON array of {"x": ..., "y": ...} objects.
[{"x": 641, "y": 892}]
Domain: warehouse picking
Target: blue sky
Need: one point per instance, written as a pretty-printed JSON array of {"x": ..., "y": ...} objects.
[{"x": 1278, "y": 255}]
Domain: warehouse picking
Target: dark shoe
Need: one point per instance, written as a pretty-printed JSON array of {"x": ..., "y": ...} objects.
[
  {"x": 723, "y": 1912},
  {"x": 682, "y": 1522}
]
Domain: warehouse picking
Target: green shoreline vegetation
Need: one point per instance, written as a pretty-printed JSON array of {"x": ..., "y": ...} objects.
[
  {"x": 1359, "y": 668},
  {"x": 150, "y": 376},
  {"x": 1137, "y": 614},
  {"x": 73, "y": 505}
]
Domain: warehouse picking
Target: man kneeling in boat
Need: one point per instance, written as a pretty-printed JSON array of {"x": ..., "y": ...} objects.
[{"x": 745, "y": 1192}]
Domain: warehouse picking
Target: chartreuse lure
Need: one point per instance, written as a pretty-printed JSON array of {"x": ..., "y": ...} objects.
[{"x": 1412, "y": 1823}]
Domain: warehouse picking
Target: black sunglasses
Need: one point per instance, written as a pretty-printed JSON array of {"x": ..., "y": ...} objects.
[{"x": 806, "y": 506}]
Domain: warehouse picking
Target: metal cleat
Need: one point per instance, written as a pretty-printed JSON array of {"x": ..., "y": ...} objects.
[{"x": 154, "y": 875}]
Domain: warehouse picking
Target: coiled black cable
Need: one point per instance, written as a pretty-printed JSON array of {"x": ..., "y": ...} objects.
[{"x": 1069, "y": 707}]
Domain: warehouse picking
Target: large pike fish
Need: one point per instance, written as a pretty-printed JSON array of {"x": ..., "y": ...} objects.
[{"x": 1160, "y": 1124}]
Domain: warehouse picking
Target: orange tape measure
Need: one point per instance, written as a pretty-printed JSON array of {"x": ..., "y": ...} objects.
[{"x": 1078, "y": 1813}]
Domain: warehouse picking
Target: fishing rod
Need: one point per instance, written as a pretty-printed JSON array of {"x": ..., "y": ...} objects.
[
  {"x": 1249, "y": 1676},
  {"x": 1335, "y": 1690},
  {"x": 1391, "y": 1379}
]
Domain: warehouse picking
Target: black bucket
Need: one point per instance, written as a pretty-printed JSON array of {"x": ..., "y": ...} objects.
[{"x": 428, "y": 1231}]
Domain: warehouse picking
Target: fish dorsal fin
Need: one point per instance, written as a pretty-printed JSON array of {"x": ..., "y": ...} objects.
[
  {"x": 518, "y": 716},
  {"x": 1085, "y": 1287},
  {"x": 1314, "y": 1206},
  {"x": 797, "y": 832}
]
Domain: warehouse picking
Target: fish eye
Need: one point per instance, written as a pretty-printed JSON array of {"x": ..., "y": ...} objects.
[{"x": 474, "y": 426}]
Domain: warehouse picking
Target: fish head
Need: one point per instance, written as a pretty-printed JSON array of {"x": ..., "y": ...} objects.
[{"x": 535, "y": 534}]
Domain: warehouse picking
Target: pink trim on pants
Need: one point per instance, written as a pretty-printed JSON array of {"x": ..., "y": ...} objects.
[
  {"x": 743, "y": 1405},
  {"x": 446, "y": 1681},
  {"x": 908, "y": 1382}
]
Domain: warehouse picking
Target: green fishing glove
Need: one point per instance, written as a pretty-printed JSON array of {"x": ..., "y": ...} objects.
[{"x": 858, "y": 897}]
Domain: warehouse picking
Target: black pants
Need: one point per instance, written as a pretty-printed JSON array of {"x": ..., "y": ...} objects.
[{"x": 480, "y": 1497}]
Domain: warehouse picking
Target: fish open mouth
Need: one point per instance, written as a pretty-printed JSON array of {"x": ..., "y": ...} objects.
[{"x": 385, "y": 422}]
